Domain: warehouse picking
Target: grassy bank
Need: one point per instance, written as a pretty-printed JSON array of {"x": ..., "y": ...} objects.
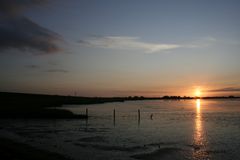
[
  {"x": 43, "y": 113},
  {"x": 19, "y": 105}
]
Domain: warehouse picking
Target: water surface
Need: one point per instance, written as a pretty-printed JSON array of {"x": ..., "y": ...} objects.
[{"x": 166, "y": 129}]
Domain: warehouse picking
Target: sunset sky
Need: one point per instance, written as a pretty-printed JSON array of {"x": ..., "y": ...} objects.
[{"x": 120, "y": 47}]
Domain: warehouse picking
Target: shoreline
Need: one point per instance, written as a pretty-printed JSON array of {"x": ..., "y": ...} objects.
[{"x": 25, "y": 105}]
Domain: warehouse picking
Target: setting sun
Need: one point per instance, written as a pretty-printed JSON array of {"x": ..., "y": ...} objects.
[{"x": 198, "y": 92}]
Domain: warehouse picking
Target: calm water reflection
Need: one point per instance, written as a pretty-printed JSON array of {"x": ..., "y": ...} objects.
[
  {"x": 198, "y": 134},
  {"x": 199, "y": 144},
  {"x": 201, "y": 129}
]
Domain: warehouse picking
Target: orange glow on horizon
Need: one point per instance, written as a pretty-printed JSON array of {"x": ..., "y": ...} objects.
[{"x": 198, "y": 92}]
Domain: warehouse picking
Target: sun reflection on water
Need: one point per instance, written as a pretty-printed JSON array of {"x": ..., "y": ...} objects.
[
  {"x": 198, "y": 139},
  {"x": 199, "y": 142}
]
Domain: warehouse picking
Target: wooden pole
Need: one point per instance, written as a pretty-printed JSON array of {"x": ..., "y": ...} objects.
[
  {"x": 86, "y": 127},
  {"x": 114, "y": 115},
  {"x": 86, "y": 112},
  {"x": 138, "y": 116}
]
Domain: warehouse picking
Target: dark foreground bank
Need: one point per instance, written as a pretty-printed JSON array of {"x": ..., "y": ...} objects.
[
  {"x": 10, "y": 150},
  {"x": 44, "y": 113},
  {"x": 23, "y": 105}
]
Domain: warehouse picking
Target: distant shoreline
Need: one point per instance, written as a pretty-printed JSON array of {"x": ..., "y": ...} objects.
[
  {"x": 44, "y": 100},
  {"x": 23, "y": 105}
]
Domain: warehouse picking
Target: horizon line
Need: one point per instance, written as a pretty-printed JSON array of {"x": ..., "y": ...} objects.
[{"x": 128, "y": 97}]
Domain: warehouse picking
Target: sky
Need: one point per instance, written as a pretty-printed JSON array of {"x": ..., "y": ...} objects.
[{"x": 120, "y": 47}]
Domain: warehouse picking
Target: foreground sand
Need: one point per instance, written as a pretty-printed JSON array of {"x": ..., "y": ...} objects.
[{"x": 10, "y": 150}]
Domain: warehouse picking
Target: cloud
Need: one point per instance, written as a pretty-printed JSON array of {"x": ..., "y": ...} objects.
[
  {"x": 127, "y": 43},
  {"x": 57, "y": 70},
  {"x": 19, "y": 32},
  {"x": 229, "y": 89},
  {"x": 37, "y": 67},
  {"x": 23, "y": 34},
  {"x": 32, "y": 66}
]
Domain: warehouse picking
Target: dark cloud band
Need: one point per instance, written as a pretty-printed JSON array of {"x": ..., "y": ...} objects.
[
  {"x": 230, "y": 89},
  {"x": 19, "y": 32},
  {"x": 57, "y": 71}
]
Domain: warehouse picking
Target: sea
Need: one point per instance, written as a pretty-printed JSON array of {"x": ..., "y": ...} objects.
[{"x": 198, "y": 129}]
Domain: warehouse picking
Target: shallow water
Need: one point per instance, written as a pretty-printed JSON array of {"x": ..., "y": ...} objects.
[{"x": 186, "y": 129}]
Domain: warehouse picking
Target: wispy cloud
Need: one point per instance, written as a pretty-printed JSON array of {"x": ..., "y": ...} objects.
[
  {"x": 127, "y": 43},
  {"x": 32, "y": 66},
  {"x": 202, "y": 42},
  {"x": 41, "y": 68},
  {"x": 57, "y": 71},
  {"x": 229, "y": 89}
]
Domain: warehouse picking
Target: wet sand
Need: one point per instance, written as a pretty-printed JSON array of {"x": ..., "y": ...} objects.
[{"x": 165, "y": 153}]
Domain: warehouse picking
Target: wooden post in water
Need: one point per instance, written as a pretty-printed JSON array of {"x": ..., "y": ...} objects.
[
  {"x": 87, "y": 112},
  {"x": 114, "y": 115},
  {"x": 86, "y": 127},
  {"x": 138, "y": 113},
  {"x": 138, "y": 116}
]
